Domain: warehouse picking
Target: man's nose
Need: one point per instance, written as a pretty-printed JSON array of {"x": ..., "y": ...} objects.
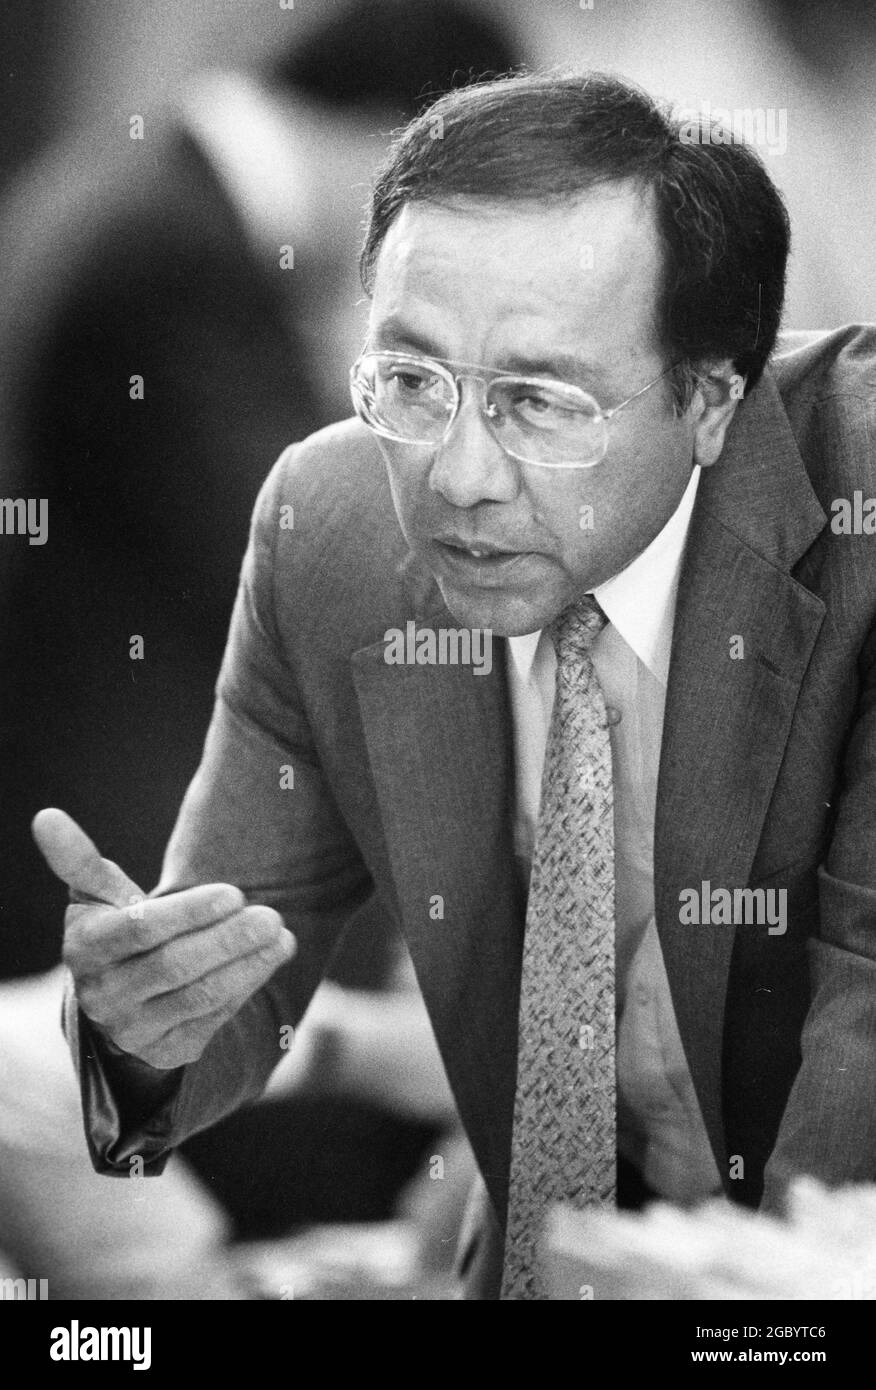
[{"x": 471, "y": 466}]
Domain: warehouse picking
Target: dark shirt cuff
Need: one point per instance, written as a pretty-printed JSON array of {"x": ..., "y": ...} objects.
[{"x": 128, "y": 1106}]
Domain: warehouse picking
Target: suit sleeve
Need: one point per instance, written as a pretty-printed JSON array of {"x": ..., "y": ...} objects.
[
  {"x": 828, "y": 1130},
  {"x": 258, "y": 814}
]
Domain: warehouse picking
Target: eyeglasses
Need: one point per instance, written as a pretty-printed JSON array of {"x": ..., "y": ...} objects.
[{"x": 415, "y": 400}]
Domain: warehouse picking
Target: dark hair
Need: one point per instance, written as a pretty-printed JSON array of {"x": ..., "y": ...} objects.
[
  {"x": 396, "y": 54},
  {"x": 723, "y": 225}
]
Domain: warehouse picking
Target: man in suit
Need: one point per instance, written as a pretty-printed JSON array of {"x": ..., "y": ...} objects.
[{"x": 576, "y": 439}]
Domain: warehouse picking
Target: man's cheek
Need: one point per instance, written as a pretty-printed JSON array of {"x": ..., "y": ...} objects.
[
  {"x": 404, "y": 497},
  {"x": 575, "y": 526},
  {"x": 408, "y": 472}
]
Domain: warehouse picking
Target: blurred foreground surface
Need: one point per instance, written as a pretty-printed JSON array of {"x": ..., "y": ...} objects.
[{"x": 826, "y": 1249}]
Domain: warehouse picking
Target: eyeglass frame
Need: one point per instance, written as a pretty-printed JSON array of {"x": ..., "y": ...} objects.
[{"x": 496, "y": 373}]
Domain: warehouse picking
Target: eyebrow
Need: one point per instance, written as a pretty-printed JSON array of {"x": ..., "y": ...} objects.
[
  {"x": 566, "y": 365},
  {"x": 395, "y": 336}
]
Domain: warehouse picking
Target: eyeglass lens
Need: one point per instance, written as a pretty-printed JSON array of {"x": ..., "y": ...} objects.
[{"x": 535, "y": 419}]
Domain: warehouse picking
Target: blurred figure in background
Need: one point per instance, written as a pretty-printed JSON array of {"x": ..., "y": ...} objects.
[{"x": 175, "y": 311}]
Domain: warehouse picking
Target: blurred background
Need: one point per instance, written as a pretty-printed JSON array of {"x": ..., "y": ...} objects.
[
  {"x": 164, "y": 256},
  {"x": 68, "y": 64}
]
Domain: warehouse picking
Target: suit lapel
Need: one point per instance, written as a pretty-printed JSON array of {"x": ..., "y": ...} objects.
[
  {"x": 727, "y": 720},
  {"x": 439, "y": 744}
]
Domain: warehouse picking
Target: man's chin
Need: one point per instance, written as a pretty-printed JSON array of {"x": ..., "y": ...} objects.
[{"x": 505, "y": 615}]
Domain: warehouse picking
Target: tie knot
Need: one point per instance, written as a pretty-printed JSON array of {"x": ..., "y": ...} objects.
[{"x": 574, "y": 630}]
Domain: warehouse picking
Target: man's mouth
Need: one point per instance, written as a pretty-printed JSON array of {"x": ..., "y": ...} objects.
[
  {"x": 478, "y": 560},
  {"x": 478, "y": 549}
]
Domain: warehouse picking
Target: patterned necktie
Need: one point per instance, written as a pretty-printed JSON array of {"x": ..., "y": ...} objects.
[{"x": 564, "y": 1136}]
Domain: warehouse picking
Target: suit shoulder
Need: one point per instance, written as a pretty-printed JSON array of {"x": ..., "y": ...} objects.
[
  {"x": 338, "y": 476},
  {"x": 326, "y": 512},
  {"x": 827, "y": 383},
  {"x": 817, "y": 365},
  {"x": 339, "y": 509}
]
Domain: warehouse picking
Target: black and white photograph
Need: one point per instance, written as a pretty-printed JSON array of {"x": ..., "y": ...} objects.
[{"x": 438, "y": 652}]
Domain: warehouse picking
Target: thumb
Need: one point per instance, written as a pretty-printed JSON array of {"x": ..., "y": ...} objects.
[{"x": 77, "y": 861}]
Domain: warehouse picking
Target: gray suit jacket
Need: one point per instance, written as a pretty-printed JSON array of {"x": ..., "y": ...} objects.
[{"x": 403, "y": 781}]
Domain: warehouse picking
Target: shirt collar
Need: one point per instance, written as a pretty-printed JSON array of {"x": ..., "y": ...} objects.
[{"x": 639, "y": 601}]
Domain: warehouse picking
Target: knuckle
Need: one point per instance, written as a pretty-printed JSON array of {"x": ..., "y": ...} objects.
[
  {"x": 139, "y": 931},
  {"x": 180, "y": 1048},
  {"x": 190, "y": 910},
  {"x": 95, "y": 930},
  {"x": 165, "y": 972},
  {"x": 202, "y": 906},
  {"x": 156, "y": 1054},
  {"x": 84, "y": 930},
  {"x": 128, "y": 1039},
  {"x": 200, "y": 997},
  {"x": 226, "y": 901}
]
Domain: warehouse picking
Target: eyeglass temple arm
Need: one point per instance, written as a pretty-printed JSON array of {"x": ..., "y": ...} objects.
[
  {"x": 607, "y": 414},
  {"x": 697, "y": 376}
]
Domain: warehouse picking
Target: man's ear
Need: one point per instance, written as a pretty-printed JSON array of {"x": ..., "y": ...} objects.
[{"x": 718, "y": 391}]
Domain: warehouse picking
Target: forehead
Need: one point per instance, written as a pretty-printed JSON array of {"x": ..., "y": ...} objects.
[{"x": 475, "y": 275}]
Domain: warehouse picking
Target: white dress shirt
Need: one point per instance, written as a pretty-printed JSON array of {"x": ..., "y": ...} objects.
[{"x": 660, "y": 1126}]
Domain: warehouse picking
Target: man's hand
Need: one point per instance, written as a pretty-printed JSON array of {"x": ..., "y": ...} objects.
[{"x": 158, "y": 976}]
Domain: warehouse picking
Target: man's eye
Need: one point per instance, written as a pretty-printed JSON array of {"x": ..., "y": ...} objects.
[
  {"x": 542, "y": 407},
  {"x": 534, "y": 402},
  {"x": 412, "y": 381},
  {"x": 404, "y": 381}
]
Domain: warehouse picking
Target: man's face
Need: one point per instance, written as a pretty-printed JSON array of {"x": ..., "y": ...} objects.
[{"x": 567, "y": 292}]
